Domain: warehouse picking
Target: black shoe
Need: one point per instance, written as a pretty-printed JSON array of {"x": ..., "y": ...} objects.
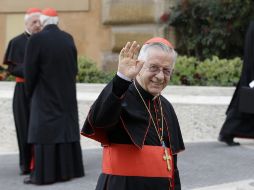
[
  {"x": 27, "y": 180},
  {"x": 228, "y": 140}
]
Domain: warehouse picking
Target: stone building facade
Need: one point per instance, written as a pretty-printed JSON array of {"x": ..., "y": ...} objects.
[{"x": 100, "y": 27}]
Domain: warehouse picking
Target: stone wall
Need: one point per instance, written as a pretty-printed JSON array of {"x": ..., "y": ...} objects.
[
  {"x": 130, "y": 20},
  {"x": 200, "y": 110},
  {"x": 100, "y": 27},
  {"x": 82, "y": 19}
]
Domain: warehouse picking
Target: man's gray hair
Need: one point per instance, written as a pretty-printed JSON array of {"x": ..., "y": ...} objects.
[
  {"x": 155, "y": 45},
  {"x": 28, "y": 16},
  {"x": 46, "y": 20}
]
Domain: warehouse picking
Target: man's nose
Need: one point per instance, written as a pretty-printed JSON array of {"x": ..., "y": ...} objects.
[
  {"x": 38, "y": 24},
  {"x": 160, "y": 75}
]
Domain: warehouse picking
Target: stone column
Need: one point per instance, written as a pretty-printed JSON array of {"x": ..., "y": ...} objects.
[{"x": 131, "y": 20}]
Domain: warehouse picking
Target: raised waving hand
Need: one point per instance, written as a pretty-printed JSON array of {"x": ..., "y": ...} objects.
[{"x": 128, "y": 64}]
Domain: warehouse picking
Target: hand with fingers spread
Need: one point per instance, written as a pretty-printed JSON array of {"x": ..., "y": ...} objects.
[{"x": 128, "y": 64}]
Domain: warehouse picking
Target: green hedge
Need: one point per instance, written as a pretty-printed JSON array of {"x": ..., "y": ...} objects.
[
  {"x": 205, "y": 28},
  {"x": 188, "y": 71},
  {"x": 210, "y": 72},
  {"x": 89, "y": 73}
]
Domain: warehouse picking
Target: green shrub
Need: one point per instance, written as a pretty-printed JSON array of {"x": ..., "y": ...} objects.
[
  {"x": 184, "y": 71},
  {"x": 210, "y": 72},
  {"x": 205, "y": 28},
  {"x": 10, "y": 78},
  {"x": 219, "y": 72},
  {"x": 89, "y": 73},
  {"x": 188, "y": 71}
]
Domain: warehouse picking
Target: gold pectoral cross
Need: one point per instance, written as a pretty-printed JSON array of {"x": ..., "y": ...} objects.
[{"x": 167, "y": 158}]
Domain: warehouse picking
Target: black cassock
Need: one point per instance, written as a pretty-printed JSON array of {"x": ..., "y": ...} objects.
[
  {"x": 50, "y": 72},
  {"x": 14, "y": 58},
  {"x": 239, "y": 124},
  {"x": 118, "y": 119}
]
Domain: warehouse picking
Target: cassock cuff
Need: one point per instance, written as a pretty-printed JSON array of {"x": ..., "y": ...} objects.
[
  {"x": 251, "y": 84},
  {"x": 123, "y": 76},
  {"x": 120, "y": 86}
]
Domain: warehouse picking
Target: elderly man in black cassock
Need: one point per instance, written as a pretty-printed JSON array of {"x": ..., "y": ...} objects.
[
  {"x": 14, "y": 58},
  {"x": 136, "y": 125},
  {"x": 240, "y": 124},
  {"x": 50, "y": 71}
]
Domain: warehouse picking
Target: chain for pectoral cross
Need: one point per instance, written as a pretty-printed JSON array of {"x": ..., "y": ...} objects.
[
  {"x": 160, "y": 136},
  {"x": 166, "y": 156}
]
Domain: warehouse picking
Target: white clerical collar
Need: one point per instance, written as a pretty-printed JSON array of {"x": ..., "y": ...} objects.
[{"x": 28, "y": 32}]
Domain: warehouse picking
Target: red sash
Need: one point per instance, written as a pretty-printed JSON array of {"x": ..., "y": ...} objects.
[
  {"x": 19, "y": 79},
  {"x": 128, "y": 160}
]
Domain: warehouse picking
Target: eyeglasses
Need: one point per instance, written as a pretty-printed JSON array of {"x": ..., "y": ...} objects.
[{"x": 156, "y": 70}]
